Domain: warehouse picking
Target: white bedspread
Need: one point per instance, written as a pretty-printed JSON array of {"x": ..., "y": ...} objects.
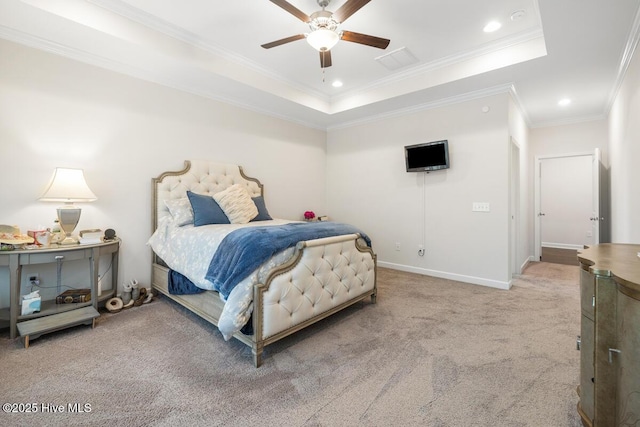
[{"x": 188, "y": 250}]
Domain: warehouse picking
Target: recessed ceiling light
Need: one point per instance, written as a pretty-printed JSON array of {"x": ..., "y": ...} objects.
[
  {"x": 492, "y": 26},
  {"x": 336, "y": 83},
  {"x": 564, "y": 102}
]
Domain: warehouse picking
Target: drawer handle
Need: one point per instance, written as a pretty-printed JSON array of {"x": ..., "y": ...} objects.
[
  {"x": 593, "y": 301},
  {"x": 611, "y": 351},
  {"x": 58, "y": 257},
  {"x": 578, "y": 343}
]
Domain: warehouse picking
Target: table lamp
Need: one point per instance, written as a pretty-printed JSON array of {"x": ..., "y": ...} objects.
[{"x": 68, "y": 186}]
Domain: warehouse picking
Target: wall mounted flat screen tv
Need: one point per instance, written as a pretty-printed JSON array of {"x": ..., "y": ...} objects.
[{"x": 427, "y": 156}]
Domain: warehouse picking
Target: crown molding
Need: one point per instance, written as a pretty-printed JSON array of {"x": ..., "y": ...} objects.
[
  {"x": 166, "y": 28},
  {"x": 518, "y": 101},
  {"x": 457, "y": 99},
  {"x": 139, "y": 73},
  {"x": 625, "y": 61},
  {"x": 429, "y": 67},
  {"x": 569, "y": 121},
  {"x": 124, "y": 9}
]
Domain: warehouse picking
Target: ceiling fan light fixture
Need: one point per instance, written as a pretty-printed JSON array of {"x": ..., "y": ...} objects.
[{"x": 323, "y": 39}]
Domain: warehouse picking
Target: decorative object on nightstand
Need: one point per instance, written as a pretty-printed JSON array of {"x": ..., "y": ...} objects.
[
  {"x": 68, "y": 186},
  {"x": 11, "y": 238},
  {"x": 309, "y": 216},
  {"x": 90, "y": 236},
  {"x": 109, "y": 234}
]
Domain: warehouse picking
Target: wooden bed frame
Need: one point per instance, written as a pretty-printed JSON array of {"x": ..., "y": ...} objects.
[{"x": 322, "y": 277}]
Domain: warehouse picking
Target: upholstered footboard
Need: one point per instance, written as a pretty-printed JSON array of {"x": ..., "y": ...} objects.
[{"x": 322, "y": 277}]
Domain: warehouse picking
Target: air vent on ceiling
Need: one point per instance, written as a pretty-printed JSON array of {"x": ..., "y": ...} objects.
[{"x": 397, "y": 59}]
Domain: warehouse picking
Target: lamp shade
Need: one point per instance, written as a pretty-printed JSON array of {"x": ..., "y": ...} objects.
[
  {"x": 68, "y": 185},
  {"x": 323, "y": 39}
]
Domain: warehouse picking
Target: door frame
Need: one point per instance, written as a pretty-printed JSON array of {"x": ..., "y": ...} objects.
[
  {"x": 537, "y": 194},
  {"x": 514, "y": 208}
]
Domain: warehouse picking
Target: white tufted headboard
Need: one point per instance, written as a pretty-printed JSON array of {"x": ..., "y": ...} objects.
[{"x": 201, "y": 177}]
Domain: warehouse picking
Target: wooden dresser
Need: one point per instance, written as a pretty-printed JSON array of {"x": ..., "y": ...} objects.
[{"x": 610, "y": 335}]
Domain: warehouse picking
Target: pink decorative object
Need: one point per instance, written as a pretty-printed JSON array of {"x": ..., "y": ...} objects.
[{"x": 309, "y": 215}]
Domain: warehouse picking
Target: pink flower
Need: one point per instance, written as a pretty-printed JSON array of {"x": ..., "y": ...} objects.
[{"x": 309, "y": 215}]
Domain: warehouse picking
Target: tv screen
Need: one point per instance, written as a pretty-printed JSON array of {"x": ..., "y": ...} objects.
[{"x": 427, "y": 156}]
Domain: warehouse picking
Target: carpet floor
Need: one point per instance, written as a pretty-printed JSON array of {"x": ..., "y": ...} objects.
[{"x": 431, "y": 352}]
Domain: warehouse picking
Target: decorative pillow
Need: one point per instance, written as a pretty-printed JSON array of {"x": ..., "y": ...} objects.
[
  {"x": 206, "y": 210},
  {"x": 180, "y": 210},
  {"x": 263, "y": 213},
  {"x": 236, "y": 203}
]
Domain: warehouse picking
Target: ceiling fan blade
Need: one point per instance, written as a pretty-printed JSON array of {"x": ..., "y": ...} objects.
[
  {"x": 365, "y": 39},
  {"x": 283, "y": 41},
  {"x": 325, "y": 58},
  {"x": 292, "y": 10},
  {"x": 348, "y": 9}
]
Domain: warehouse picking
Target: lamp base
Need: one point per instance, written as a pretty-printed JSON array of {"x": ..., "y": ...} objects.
[
  {"x": 68, "y": 217},
  {"x": 69, "y": 240}
]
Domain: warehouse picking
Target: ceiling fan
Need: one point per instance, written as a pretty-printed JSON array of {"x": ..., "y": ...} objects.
[{"x": 324, "y": 28}]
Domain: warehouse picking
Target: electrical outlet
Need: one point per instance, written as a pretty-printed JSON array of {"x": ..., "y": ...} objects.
[
  {"x": 420, "y": 250},
  {"x": 481, "y": 207},
  {"x": 397, "y": 246},
  {"x": 33, "y": 277}
]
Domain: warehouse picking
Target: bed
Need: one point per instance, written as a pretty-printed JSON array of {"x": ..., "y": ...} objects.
[{"x": 295, "y": 287}]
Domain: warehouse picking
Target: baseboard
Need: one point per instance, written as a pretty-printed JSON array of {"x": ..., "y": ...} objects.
[
  {"x": 445, "y": 275},
  {"x": 562, "y": 246},
  {"x": 526, "y": 263}
]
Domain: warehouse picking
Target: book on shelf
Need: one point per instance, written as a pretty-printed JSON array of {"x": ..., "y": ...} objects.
[{"x": 74, "y": 296}]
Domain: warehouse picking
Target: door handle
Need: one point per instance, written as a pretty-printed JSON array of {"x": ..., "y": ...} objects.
[
  {"x": 611, "y": 351},
  {"x": 541, "y": 214}
]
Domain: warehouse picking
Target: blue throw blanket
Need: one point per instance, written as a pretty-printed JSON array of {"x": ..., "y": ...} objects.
[{"x": 244, "y": 250}]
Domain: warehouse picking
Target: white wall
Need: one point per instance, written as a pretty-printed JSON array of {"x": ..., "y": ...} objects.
[
  {"x": 124, "y": 131},
  {"x": 583, "y": 137},
  {"x": 369, "y": 187},
  {"x": 624, "y": 153}
]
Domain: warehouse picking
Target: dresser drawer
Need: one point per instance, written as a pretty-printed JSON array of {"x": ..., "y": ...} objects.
[
  {"x": 587, "y": 371},
  {"x": 42, "y": 258},
  {"x": 587, "y": 293}
]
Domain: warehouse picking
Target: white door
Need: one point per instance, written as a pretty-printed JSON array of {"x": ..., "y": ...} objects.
[
  {"x": 566, "y": 202},
  {"x": 596, "y": 169}
]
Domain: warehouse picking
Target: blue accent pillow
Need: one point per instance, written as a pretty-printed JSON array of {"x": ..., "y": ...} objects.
[
  {"x": 263, "y": 213},
  {"x": 206, "y": 210}
]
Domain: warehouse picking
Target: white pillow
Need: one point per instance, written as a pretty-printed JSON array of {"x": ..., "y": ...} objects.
[
  {"x": 180, "y": 210},
  {"x": 236, "y": 204}
]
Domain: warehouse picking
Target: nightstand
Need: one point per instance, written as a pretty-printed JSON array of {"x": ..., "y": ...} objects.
[{"x": 53, "y": 317}]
